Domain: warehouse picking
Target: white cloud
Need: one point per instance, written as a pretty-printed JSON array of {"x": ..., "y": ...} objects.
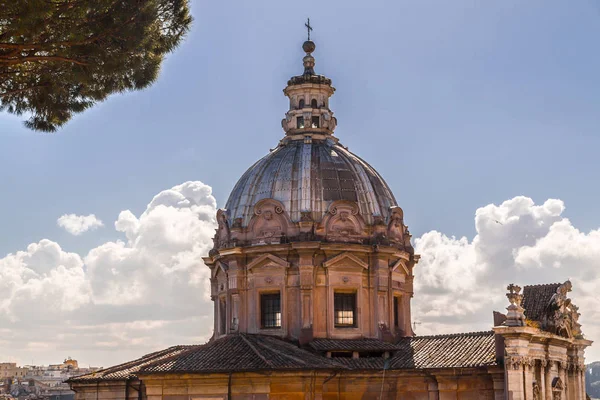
[
  {"x": 459, "y": 282},
  {"x": 78, "y": 224},
  {"x": 150, "y": 289},
  {"x": 123, "y": 298}
]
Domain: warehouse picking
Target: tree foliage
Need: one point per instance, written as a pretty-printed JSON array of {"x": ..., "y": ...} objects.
[{"x": 60, "y": 57}]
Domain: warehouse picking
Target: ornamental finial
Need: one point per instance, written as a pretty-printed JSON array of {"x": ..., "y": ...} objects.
[{"x": 308, "y": 47}]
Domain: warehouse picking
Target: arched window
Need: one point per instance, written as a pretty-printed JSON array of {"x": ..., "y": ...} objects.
[
  {"x": 313, "y": 103},
  {"x": 301, "y": 103}
]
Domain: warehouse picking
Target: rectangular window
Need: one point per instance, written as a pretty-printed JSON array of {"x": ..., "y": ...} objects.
[
  {"x": 299, "y": 122},
  {"x": 315, "y": 122},
  {"x": 270, "y": 310},
  {"x": 344, "y": 305},
  {"x": 396, "y": 311},
  {"x": 222, "y": 316}
]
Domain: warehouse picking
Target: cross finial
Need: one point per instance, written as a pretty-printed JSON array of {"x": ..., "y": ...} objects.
[{"x": 308, "y": 27}]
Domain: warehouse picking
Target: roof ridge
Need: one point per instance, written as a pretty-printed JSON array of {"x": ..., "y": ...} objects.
[
  {"x": 458, "y": 334},
  {"x": 255, "y": 350}
]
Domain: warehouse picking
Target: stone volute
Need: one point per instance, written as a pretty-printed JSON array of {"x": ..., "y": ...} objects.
[{"x": 311, "y": 242}]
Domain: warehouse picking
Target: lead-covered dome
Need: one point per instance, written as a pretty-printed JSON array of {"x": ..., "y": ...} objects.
[{"x": 307, "y": 177}]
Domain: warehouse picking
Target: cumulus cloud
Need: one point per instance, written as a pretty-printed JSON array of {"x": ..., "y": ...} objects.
[
  {"x": 78, "y": 224},
  {"x": 130, "y": 296},
  {"x": 150, "y": 288},
  {"x": 459, "y": 282}
]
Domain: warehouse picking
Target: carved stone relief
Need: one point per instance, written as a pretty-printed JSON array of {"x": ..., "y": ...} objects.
[
  {"x": 561, "y": 317},
  {"x": 269, "y": 223},
  {"x": 343, "y": 223},
  {"x": 223, "y": 235},
  {"x": 536, "y": 391},
  {"x": 395, "y": 230}
]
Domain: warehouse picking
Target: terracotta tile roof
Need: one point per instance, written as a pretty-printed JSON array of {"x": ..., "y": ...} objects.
[
  {"x": 242, "y": 352},
  {"x": 129, "y": 369},
  {"x": 245, "y": 352},
  {"x": 460, "y": 350},
  {"x": 363, "y": 344},
  {"x": 536, "y": 298}
]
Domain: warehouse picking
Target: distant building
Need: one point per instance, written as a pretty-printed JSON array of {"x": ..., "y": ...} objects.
[
  {"x": 10, "y": 370},
  {"x": 39, "y": 381}
]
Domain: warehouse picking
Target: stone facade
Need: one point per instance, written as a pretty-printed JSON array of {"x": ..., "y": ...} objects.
[{"x": 307, "y": 275}]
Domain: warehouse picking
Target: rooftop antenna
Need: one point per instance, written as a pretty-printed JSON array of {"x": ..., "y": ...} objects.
[{"x": 415, "y": 323}]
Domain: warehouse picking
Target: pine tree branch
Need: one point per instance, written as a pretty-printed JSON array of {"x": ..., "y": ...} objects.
[{"x": 25, "y": 59}]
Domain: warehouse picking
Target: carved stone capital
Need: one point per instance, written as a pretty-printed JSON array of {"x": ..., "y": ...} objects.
[{"x": 514, "y": 362}]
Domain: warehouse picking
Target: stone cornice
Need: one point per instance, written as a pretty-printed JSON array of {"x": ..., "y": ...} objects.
[{"x": 531, "y": 334}]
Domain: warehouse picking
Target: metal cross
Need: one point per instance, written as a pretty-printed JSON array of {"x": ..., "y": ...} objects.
[{"x": 308, "y": 27}]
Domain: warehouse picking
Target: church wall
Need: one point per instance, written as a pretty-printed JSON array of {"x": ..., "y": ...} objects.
[
  {"x": 111, "y": 390},
  {"x": 448, "y": 384}
]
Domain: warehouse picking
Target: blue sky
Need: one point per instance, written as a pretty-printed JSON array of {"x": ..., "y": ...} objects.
[{"x": 458, "y": 104}]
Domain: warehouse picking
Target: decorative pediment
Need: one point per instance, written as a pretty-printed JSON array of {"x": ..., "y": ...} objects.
[
  {"x": 557, "y": 384},
  {"x": 220, "y": 269},
  {"x": 400, "y": 265},
  {"x": 268, "y": 260},
  {"x": 346, "y": 260}
]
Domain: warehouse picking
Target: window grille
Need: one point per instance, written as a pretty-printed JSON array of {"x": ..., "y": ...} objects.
[
  {"x": 270, "y": 310},
  {"x": 344, "y": 305}
]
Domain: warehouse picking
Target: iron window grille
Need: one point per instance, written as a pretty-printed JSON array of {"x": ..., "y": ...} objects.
[
  {"x": 344, "y": 305},
  {"x": 270, "y": 310}
]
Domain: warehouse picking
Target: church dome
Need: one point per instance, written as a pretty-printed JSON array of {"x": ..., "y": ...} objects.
[
  {"x": 310, "y": 188},
  {"x": 307, "y": 176}
]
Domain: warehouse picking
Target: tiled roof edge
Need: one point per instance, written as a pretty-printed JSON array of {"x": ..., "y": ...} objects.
[
  {"x": 543, "y": 284},
  {"x": 99, "y": 375}
]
